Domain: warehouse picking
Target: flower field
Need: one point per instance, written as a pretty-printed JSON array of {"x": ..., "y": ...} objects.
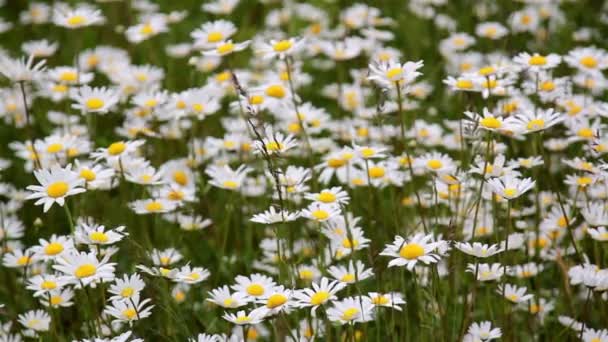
[{"x": 324, "y": 170}]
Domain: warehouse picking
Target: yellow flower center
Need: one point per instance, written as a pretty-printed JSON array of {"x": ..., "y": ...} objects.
[
  {"x": 88, "y": 175},
  {"x": 276, "y": 300},
  {"x": 94, "y": 103},
  {"x": 326, "y": 197},
  {"x": 584, "y": 181},
  {"x": 76, "y": 20},
  {"x": 350, "y": 314},
  {"x": 198, "y": 107},
  {"x": 57, "y": 189},
  {"x": 535, "y": 124},
  {"x": 336, "y": 163},
  {"x": 179, "y": 296},
  {"x": 99, "y": 237},
  {"x": 117, "y": 148},
  {"x": 464, "y": 84},
  {"x": 490, "y": 122},
  {"x": 537, "y": 60},
  {"x": 154, "y": 206},
  {"x": 214, "y": 37},
  {"x": 320, "y": 214},
  {"x": 129, "y": 313},
  {"x": 68, "y": 76},
  {"x": 586, "y": 133},
  {"x": 376, "y": 172},
  {"x": 348, "y": 243},
  {"x": 53, "y": 248},
  {"x": 24, "y": 260},
  {"x": 274, "y": 146},
  {"x": 127, "y": 292},
  {"x": 282, "y": 45},
  {"x": 255, "y": 290},
  {"x": 319, "y": 298},
  {"x": 60, "y": 88},
  {"x": 490, "y": 84},
  {"x": 85, "y": 270},
  {"x": 48, "y": 285},
  {"x": 306, "y": 274},
  {"x": 434, "y": 164},
  {"x": 348, "y": 278},
  {"x": 146, "y": 29},
  {"x": 411, "y": 251},
  {"x": 380, "y": 300},
  {"x": 225, "y": 48},
  {"x": 276, "y": 91},
  {"x": 54, "y": 148},
  {"x": 243, "y": 319},
  {"x": 547, "y": 86},
  {"x": 485, "y": 71},
  {"x": 175, "y": 195},
  {"x": 256, "y": 99},
  {"x": 180, "y": 177},
  {"x": 230, "y": 184},
  {"x": 589, "y": 62},
  {"x": 393, "y": 73},
  {"x": 510, "y": 192},
  {"x": 56, "y": 300}
]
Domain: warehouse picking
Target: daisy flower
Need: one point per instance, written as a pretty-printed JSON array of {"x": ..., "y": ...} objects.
[
  {"x": 513, "y": 293},
  {"x": 272, "y": 216},
  {"x": 223, "y": 297},
  {"x": 277, "y": 300},
  {"x": 350, "y": 310},
  {"x": 37, "y": 320},
  {"x": 255, "y": 316},
  {"x": 54, "y": 247},
  {"x": 254, "y": 286},
  {"x": 530, "y": 121},
  {"x": 478, "y": 249},
  {"x": 93, "y": 234},
  {"x": 43, "y": 284},
  {"x": 56, "y": 184},
  {"x": 94, "y": 100},
  {"x": 418, "y": 248},
  {"x": 211, "y": 33},
  {"x": 275, "y": 142},
  {"x": 332, "y": 195},
  {"x": 152, "y": 206},
  {"x": 191, "y": 275},
  {"x": 537, "y": 62},
  {"x": 83, "y": 269},
  {"x": 320, "y": 212},
  {"x": 351, "y": 274},
  {"x": 21, "y": 70},
  {"x": 388, "y": 74},
  {"x": 598, "y": 234},
  {"x": 510, "y": 186},
  {"x": 220, "y": 7},
  {"x": 281, "y": 48},
  {"x": 489, "y": 121},
  {"x": 80, "y": 17},
  {"x": 392, "y": 300},
  {"x": 226, "y": 178},
  {"x": 486, "y": 272},
  {"x": 589, "y": 60},
  {"x": 126, "y": 287},
  {"x": 225, "y": 48},
  {"x": 491, "y": 30},
  {"x": 129, "y": 311},
  {"x": 319, "y": 294},
  {"x": 482, "y": 331},
  {"x": 58, "y": 298}
]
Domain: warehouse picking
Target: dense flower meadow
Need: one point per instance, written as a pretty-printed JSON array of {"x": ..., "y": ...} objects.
[{"x": 324, "y": 170}]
